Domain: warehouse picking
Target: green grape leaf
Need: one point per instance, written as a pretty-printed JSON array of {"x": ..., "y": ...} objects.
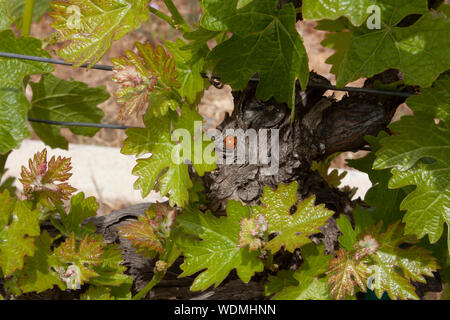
[
  {"x": 346, "y": 273},
  {"x": 165, "y": 170},
  {"x": 291, "y": 231},
  {"x": 322, "y": 167},
  {"x": 82, "y": 256},
  {"x": 146, "y": 78},
  {"x": 384, "y": 264},
  {"x": 378, "y": 259},
  {"x": 283, "y": 279},
  {"x": 6, "y": 183},
  {"x": 355, "y": 10},
  {"x": 150, "y": 233},
  {"x": 18, "y": 228},
  {"x": 243, "y": 3},
  {"x": 13, "y": 103},
  {"x": 17, "y": 8},
  {"x": 218, "y": 251},
  {"x": 445, "y": 8},
  {"x": 40, "y": 180},
  {"x": 122, "y": 292},
  {"x": 384, "y": 202},
  {"x": 264, "y": 41},
  {"x": 420, "y": 158},
  {"x": 348, "y": 237},
  {"x": 91, "y": 26},
  {"x": 435, "y": 101},
  {"x": 39, "y": 273},
  {"x": 110, "y": 271},
  {"x": 81, "y": 208},
  {"x": 417, "y": 50},
  {"x": 6, "y": 19},
  {"x": 97, "y": 293},
  {"x": 189, "y": 68},
  {"x": 340, "y": 43},
  {"x": 199, "y": 37},
  {"x": 59, "y": 100},
  {"x": 313, "y": 284}
]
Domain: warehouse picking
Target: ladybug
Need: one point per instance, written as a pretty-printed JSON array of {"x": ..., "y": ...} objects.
[{"x": 230, "y": 142}]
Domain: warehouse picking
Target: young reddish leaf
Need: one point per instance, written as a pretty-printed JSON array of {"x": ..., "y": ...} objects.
[
  {"x": 291, "y": 231},
  {"x": 379, "y": 255},
  {"x": 90, "y": 26},
  {"x": 149, "y": 233},
  {"x": 148, "y": 76},
  {"x": 253, "y": 232},
  {"x": 346, "y": 272},
  {"x": 18, "y": 228},
  {"x": 39, "y": 181},
  {"x": 367, "y": 246},
  {"x": 81, "y": 255}
]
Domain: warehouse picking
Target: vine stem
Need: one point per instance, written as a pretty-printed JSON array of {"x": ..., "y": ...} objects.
[
  {"x": 163, "y": 16},
  {"x": 155, "y": 280},
  {"x": 27, "y": 17},
  {"x": 177, "y": 17}
]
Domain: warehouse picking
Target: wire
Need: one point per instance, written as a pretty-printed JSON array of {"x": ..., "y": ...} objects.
[
  {"x": 81, "y": 124},
  {"x": 211, "y": 77},
  {"x": 216, "y": 78},
  {"x": 53, "y": 61},
  {"x": 334, "y": 88}
]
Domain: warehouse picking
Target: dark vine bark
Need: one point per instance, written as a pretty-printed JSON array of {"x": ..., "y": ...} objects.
[{"x": 321, "y": 126}]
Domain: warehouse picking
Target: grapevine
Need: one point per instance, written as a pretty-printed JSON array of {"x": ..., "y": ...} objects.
[{"x": 290, "y": 229}]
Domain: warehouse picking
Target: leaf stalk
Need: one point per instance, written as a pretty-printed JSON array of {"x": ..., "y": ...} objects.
[{"x": 27, "y": 17}]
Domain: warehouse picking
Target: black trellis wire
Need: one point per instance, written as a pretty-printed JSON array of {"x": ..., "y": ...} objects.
[
  {"x": 214, "y": 78},
  {"x": 81, "y": 124}
]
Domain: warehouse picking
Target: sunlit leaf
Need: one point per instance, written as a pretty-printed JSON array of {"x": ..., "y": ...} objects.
[
  {"x": 165, "y": 170},
  {"x": 19, "y": 227},
  {"x": 40, "y": 179},
  {"x": 218, "y": 251},
  {"x": 91, "y": 26},
  {"x": 291, "y": 230},
  {"x": 13, "y": 103},
  {"x": 146, "y": 78}
]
